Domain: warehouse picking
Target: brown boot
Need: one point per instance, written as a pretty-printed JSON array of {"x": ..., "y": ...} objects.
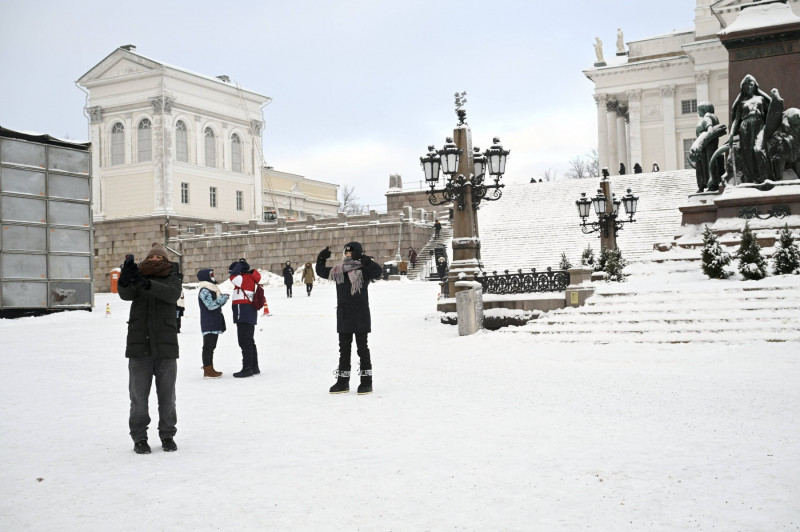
[{"x": 210, "y": 373}]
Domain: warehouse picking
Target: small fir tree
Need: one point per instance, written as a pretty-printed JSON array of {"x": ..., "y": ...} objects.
[
  {"x": 615, "y": 263},
  {"x": 752, "y": 264},
  {"x": 715, "y": 259},
  {"x": 787, "y": 254},
  {"x": 587, "y": 257},
  {"x": 565, "y": 264},
  {"x": 600, "y": 265}
]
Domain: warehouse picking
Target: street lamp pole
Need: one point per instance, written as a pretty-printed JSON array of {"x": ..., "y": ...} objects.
[{"x": 606, "y": 207}]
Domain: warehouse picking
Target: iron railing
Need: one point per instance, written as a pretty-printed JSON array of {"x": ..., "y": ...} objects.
[{"x": 522, "y": 283}]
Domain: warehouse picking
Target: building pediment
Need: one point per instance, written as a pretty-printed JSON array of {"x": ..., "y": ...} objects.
[{"x": 118, "y": 64}]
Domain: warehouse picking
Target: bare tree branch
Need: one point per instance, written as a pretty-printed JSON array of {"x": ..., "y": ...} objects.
[{"x": 348, "y": 201}]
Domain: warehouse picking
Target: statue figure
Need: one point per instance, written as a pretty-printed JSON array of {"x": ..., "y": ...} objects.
[
  {"x": 708, "y": 131},
  {"x": 768, "y": 136},
  {"x": 598, "y": 51},
  {"x": 620, "y": 43}
]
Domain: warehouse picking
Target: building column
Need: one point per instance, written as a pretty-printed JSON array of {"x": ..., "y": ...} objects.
[
  {"x": 622, "y": 140},
  {"x": 701, "y": 85},
  {"x": 602, "y": 129},
  {"x": 635, "y": 127},
  {"x": 199, "y": 138},
  {"x": 258, "y": 189},
  {"x": 613, "y": 144},
  {"x": 95, "y": 131},
  {"x": 670, "y": 144},
  {"x": 162, "y": 160}
]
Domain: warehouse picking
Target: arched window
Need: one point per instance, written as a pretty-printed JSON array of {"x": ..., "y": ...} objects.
[
  {"x": 145, "y": 141},
  {"x": 118, "y": 144},
  {"x": 236, "y": 153},
  {"x": 181, "y": 142},
  {"x": 211, "y": 148}
]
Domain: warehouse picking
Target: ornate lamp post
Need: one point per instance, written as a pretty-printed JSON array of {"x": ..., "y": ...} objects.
[
  {"x": 465, "y": 186},
  {"x": 608, "y": 222}
]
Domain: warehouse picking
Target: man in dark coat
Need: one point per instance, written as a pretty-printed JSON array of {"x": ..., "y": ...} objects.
[
  {"x": 288, "y": 278},
  {"x": 153, "y": 288},
  {"x": 352, "y": 278}
]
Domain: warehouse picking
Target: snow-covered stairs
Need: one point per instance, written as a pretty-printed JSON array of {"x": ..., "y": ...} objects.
[
  {"x": 699, "y": 310},
  {"x": 425, "y": 267}
]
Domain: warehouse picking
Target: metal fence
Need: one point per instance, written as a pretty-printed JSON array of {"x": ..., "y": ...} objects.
[{"x": 522, "y": 283}]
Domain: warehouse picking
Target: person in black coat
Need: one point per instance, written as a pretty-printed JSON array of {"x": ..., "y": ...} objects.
[
  {"x": 352, "y": 278},
  {"x": 288, "y": 278}
]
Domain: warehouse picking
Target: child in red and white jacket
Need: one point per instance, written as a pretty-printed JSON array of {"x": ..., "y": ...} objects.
[{"x": 245, "y": 315}]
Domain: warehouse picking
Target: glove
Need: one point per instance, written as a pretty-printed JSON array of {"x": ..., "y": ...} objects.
[
  {"x": 141, "y": 282},
  {"x": 325, "y": 254},
  {"x": 129, "y": 270}
]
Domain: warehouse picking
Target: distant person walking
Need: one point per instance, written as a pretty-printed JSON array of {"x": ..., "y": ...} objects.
[
  {"x": 153, "y": 288},
  {"x": 637, "y": 168},
  {"x": 308, "y": 277},
  {"x": 245, "y": 315},
  {"x": 437, "y": 228},
  {"x": 655, "y": 167},
  {"x": 352, "y": 277},
  {"x": 288, "y": 278},
  {"x": 412, "y": 257},
  {"x": 212, "y": 322},
  {"x": 180, "y": 308}
]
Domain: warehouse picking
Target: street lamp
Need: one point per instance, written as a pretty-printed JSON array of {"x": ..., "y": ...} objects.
[{"x": 608, "y": 222}]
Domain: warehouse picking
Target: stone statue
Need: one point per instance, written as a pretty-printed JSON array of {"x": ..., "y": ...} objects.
[
  {"x": 598, "y": 51},
  {"x": 620, "y": 43},
  {"x": 708, "y": 131},
  {"x": 768, "y": 136}
]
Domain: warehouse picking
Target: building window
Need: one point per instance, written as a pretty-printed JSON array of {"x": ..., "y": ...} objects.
[
  {"x": 239, "y": 200},
  {"x": 212, "y": 196},
  {"x": 688, "y": 107},
  {"x": 118, "y": 144},
  {"x": 181, "y": 142},
  {"x": 145, "y": 141},
  {"x": 687, "y": 146},
  {"x": 184, "y": 192},
  {"x": 211, "y": 148},
  {"x": 236, "y": 153}
]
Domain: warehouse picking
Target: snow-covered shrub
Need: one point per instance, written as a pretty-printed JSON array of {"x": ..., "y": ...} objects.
[
  {"x": 587, "y": 257},
  {"x": 565, "y": 264},
  {"x": 600, "y": 264},
  {"x": 787, "y": 255},
  {"x": 752, "y": 264},
  {"x": 715, "y": 259},
  {"x": 614, "y": 264}
]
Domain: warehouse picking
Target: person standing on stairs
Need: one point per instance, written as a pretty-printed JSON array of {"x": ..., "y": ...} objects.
[
  {"x": 437, "y": 228},
  {"x": 412, "y": 257},
  {"x": 245, "y": 315},
  {"x": 212, "y": 322},
  {"x": 352, "y": 277}
]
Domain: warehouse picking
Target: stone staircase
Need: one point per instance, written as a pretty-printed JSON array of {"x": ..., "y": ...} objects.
[
  {"x": 686, "y": 308},
  {"x": 425, "y": 270}
]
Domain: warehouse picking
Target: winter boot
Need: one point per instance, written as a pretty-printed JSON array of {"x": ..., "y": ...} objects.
[
  {"x": 366, "y": 382},
  {"x": 247, "y": 366},
  {"x": 342, "y": 382},
  {"x": 141, "y": 447},
  {"x": 256, "y": 371},
  {"x": 210, "y": 373},
  {"x": 168, "y": 444}
]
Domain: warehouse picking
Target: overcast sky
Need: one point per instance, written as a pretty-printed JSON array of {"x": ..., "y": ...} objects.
[{"x": 359, "y": 87}]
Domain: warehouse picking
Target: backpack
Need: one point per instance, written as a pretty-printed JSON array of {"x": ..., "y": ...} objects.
[{"x": 259, "y": 300}]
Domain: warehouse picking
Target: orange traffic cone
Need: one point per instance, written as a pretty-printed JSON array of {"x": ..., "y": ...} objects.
[{"x": 266, "y": 310}]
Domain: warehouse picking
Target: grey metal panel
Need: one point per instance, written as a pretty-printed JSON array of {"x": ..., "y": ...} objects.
[
  {"x": 22, "y": 209},
  {"x": 19, "y": 152},
  {"x": 66, "y": 294},
  {"x": 69, "y": 160},
  {"x": 66, "y": 186},
  {"x": 22, "y": 181},
  {"x": 70, "y": 267},
  {"x": 71, "y": 240},
  {"x": 63, "y": 213},
  {"x": 24, "y": 294},
  {"x": 24, "y": 266},
  {"x": 23, "y": 238}
]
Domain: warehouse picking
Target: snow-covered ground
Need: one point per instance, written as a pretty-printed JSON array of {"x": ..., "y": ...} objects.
[{"x": 493, "y": 431}]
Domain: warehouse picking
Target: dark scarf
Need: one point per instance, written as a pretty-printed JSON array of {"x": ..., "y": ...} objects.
[
  {"x": 155, "y": 268},
  {"x": 353, "y": 270}
]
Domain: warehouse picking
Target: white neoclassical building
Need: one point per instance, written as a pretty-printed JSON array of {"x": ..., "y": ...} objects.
[
  {"x": 647, "y": 93},
  {"x": 167, "y": 141}
]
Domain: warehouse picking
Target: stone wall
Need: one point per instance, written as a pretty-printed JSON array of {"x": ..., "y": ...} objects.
[
  {"x": 267, "y": 246},
  {"x": 416, "y": 199}
]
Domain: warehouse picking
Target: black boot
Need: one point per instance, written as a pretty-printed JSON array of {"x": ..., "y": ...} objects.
[
  {"x": 141, "y": 447},
  {"x": 247, "y": 366},
  {"x": 256, "y": 371},
  {"x": 366, "y": 382},
  {"x": 342, "y": 382}
]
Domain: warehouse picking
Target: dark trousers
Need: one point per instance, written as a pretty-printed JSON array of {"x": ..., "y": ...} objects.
[
  {"x": 309, "y": 286},
  {"x": 140, "y": 378},
  {"x": 245, "y": 333},
  {"x": 209, "y": 344},
  {"x": 288, "y": 290},
  {"x": 345, "y": 349}
]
